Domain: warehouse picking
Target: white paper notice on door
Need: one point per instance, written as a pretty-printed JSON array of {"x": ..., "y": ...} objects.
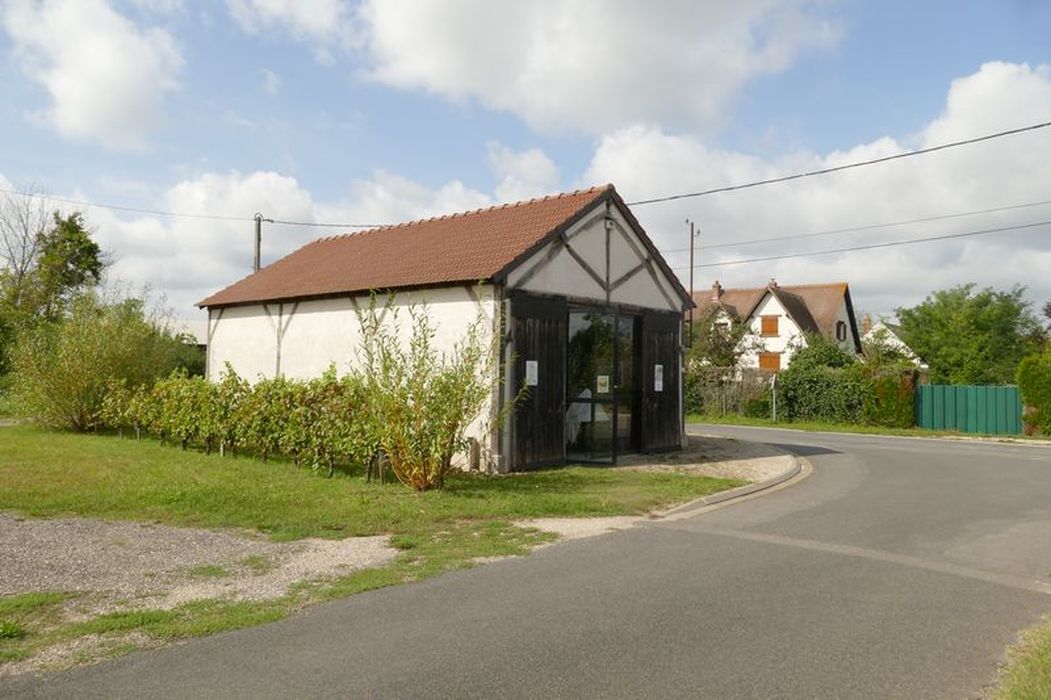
[
  {"x": 658, "y": 377},
  {"x": 602, "y": 384},
  {"x": 532, "y": 374}
]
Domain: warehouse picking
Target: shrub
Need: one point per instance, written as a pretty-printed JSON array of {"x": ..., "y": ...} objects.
[
  {"x": 890, "y": 398},
  {"x": 62, "y": 369},
  {"x": 421, "y": 401},
  {"x": 1034, "y": 382},
  {"x": 815, "y": 393}
]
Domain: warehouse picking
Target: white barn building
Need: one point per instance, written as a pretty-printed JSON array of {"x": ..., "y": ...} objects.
[{"x": 590, "y": 311}]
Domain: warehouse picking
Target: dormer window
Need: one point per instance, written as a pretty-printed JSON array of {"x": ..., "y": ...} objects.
[{"x": 768, "y": 326}]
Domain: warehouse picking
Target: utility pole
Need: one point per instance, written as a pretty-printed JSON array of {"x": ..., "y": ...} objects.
[
  {"x": 693, "y": 237},
  {"x": 258, "y": 239}
]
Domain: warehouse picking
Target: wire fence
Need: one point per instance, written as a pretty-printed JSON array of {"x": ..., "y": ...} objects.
[{"x": 726, "y": 390}]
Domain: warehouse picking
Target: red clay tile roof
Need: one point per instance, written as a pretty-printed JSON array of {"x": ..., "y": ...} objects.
[
  {"x": 467, "y": 247},
  {"x": 814, "y": 307}
]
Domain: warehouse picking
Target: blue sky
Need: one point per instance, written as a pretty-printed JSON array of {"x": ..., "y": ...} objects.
[{"x": 386, "y": 111}]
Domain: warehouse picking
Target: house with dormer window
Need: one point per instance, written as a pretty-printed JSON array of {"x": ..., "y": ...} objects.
[{"x": 780, "y": 317}]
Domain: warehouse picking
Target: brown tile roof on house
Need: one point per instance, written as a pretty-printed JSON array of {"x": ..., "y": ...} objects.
[
  {"x": 814, "y": 307},
  {"x": 467, "y": 247}
]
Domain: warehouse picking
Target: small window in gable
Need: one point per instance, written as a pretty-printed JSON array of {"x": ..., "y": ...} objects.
[
  {"x": 841, "y": 330},
  {"x": 770, "y": 361},
  {"x": 769, "y": 325}
]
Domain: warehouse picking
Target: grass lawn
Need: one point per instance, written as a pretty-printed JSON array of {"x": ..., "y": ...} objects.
[
  {"x": 1028, "y": 673},
  {"x": 49, "y": 474},
  {"x": 818, "y": 426}
]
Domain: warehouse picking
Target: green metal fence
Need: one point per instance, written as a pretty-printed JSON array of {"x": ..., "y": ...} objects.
[{"x": 992, "y": 410}]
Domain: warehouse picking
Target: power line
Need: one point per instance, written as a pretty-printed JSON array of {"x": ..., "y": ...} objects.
[
  {"x": 825, "y": 171},
  {"x": 318, "y": 224},
  {"x": 175, "y": 214},
  {"x": 872, "y": 246},
  {"x": 867, "y": 227}
]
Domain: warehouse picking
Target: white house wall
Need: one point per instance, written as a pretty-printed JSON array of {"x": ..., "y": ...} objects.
[
  {"x": 322, "y": 333},
  {"x": 553, "y": 270},
  {"x": 789, "y": 337}
]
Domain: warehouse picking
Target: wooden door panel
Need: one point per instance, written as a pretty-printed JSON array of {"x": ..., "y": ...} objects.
[
  {"x": 661, "y": 411},
  {"x": 538, "y": 424}
]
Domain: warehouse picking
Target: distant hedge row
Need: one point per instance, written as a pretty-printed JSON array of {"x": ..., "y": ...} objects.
[
  {"x": 1034, "y": 382},
  {"x": 822, "y": 383}
]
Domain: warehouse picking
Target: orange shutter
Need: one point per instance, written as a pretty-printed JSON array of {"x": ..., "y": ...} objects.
[
  {"x": 770, "y": 361},
  {"x": 769, "y": 326}
]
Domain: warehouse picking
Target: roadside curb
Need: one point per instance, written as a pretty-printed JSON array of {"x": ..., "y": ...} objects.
[{"x": 795, "y": 470}]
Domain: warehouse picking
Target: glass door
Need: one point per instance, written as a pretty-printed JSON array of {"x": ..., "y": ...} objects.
[
  {"x": 589, "y": 386},
  {"x": 600, "y": 385}
]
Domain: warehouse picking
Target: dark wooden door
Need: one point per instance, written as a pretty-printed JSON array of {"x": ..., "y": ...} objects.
[
  {"x": 661, "y": 411},
  {"x": 539, "y": 336}
]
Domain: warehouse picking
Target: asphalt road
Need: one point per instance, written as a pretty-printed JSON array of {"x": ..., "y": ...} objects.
[{"x": 898, "y": 569}]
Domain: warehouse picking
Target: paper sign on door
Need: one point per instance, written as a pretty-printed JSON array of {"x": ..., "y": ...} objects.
[
  {"x": 602, "y": 385},
  {"x": 532, "y": 374},
  {"x": 658, "y": 377}
]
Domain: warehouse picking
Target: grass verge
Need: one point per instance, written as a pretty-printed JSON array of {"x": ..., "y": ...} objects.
[
  {"x": 1028, "y": 672},
  {"x": 819, "y": 426},
  {"x": 48, "y": 474}
]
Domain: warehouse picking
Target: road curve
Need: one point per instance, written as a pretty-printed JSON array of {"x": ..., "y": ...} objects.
[{"x": 899, "y": 569}]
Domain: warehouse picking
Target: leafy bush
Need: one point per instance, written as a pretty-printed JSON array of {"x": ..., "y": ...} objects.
[
  {"x": 890, "y": 398},
  {"x": 421, "y": 400},
  {"x": 1034, "y": 382},
  {"x": 62, "y": 369},
  {"x": 815, "y": 393},
  {"x": 758, "y": 408}
]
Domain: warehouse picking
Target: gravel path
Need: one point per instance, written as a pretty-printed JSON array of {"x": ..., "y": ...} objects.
[
  {"x": 164, "y": 566},
  {"x": 720, "y": 457}
]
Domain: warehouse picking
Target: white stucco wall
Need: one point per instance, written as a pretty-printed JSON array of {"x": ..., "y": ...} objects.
[
  {"x": 326, "y": 332},
  {"x": 789, "y": 337},
  {"x": 563, "y": 275}
]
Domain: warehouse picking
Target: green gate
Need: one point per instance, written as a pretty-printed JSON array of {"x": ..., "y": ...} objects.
[{"x": 991, "y": 410}]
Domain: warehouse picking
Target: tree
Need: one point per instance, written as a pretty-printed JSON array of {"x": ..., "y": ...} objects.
[
  {"x": 1047, "y": 311},
  {"x": 62, "y": 369},
  {"x": 970, "y": 337},
  {"x": 719, "y": 341},
  {"x": 23, "y": 220},
  {"x": 46, "y": 259},
  {"x": 69, "y": 261}
]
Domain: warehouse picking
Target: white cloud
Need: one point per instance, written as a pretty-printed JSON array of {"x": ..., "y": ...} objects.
[
  {"x": 588, "y": 65},
  {"x": 106, "y": 77},
  {"x": 187, "y": 259},
  {"x": 644, "y": 161},
  {"x": 322, "y": 23},
  {"x": 522, "y": 174},
  {"x": 271, "y": 81}
]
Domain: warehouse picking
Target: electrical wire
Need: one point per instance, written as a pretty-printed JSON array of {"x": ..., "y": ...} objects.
[
  {"x": 837, "y": 168},
  {"x": 641, "y": 202},
  {"x": 852, "y": 229},
  {"x": 871, "y": 246},
  {"x": 176, "y": 214}
]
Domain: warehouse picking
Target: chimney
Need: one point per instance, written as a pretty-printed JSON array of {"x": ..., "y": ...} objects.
[
  {"x": 717, "y": 291},
  {"x": 866, "y": 324},
  {"x": 772, "y": 284}
]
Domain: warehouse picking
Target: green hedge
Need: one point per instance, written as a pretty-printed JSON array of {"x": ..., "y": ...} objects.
[
  {"x": 1034, "y": 382},
  {"x": 319, "y": 423}
]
